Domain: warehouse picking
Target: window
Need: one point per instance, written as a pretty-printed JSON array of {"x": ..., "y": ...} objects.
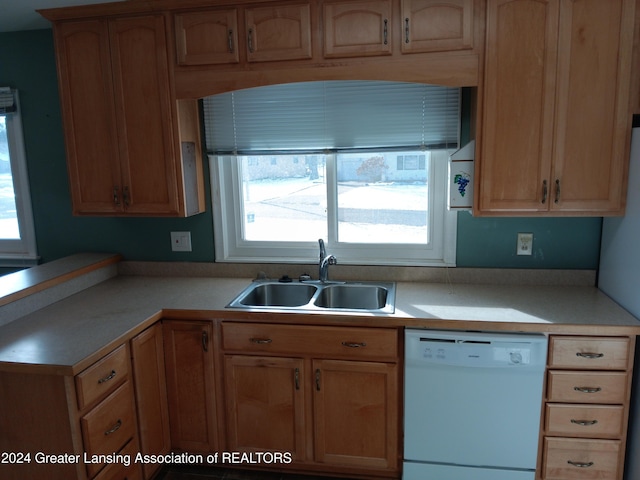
[
  {"x": 290, "y": 169},
  {"x": 17, "y": 237}
]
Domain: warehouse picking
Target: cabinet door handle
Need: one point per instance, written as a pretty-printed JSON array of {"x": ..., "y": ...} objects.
[
  {"x": 587, "y": 389},
  {"x": 354, "y": 344},
  {"x": 114, "y": 428},
  {"x": 406, "y": 30},
  {"x": 580, "y": 464},
  {"x": 385, "y": 32},
  {"x": 126, "y": 196},
  {"x": 108, "y": 377},
  {"x": 545, "y": 191},
  {"x": 205, "y": 341},
  {"x": 318, "y": 379},
  {"x": 589, "y": 355},
  {"x": 230, "y": 40},
  {"x": 557, "y": 191},
  {"x": 116, "y": 196},
  {"x": 250, "y": 40},
  {"x": 261, "y": 341},
  {"x": 584, "y": 423},
  {"x": 296, "y": 378}
]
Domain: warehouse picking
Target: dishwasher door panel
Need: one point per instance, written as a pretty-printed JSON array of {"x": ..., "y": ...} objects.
[{"x": 484, "y": 416}]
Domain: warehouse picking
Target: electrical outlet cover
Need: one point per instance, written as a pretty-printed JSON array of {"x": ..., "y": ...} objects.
[
  {"x": 525, "y": 244},
  {"x": 181, "y": 241}
]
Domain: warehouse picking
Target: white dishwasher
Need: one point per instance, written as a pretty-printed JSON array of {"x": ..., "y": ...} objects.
[{"x": 472, "y": 405}]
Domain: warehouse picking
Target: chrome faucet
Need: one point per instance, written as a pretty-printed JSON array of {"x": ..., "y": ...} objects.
[{"x": 325, "y": 261}]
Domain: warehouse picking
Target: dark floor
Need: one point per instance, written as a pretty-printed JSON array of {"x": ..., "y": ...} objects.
[{"x": 210, "y": 473}]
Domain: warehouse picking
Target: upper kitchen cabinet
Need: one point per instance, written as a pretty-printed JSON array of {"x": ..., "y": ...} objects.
[
  {"x": 128, "y": 150},
  {"x": 207, "y": 38},
  {"x": 357, "y": 28},
  {"x": 278, "y": 32},
  {"x": 556, "y": 107},
  {"x": 437, "y": 25}
]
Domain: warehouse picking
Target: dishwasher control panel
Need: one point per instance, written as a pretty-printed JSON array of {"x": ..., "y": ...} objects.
[{"x": 476, "y": 350}]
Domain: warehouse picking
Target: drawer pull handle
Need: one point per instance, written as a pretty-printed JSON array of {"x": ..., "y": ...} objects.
[
  {"x": 108, "y": 377},
  {"x": 261, "y": 341},
  {"x": 114, "y": 428},
  {"x": 580, "y": 464},
  {"x": 589, "y": 355},
  {"x": 587, "y": 389},
  {"x": 584, "y": 423},
  {"x": 354, "y": 344}
]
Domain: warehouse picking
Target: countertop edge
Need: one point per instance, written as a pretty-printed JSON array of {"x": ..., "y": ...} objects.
[{"x": 23, "y": 283}]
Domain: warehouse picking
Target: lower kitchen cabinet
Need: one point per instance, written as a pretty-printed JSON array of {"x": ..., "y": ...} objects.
[
  {"x": 355, "y": 413},
  {"x": 63, "y": 427},
  {"x": 587, "y": 407},
  {"x": 327, "y": 395},
  {"x": 147, "y": 359},
  {"x": 190, "y": 385},
  {"x": 265, "y": 404}
]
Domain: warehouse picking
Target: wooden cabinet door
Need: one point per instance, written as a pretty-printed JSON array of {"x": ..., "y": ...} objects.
[
  {"x": 436, "y": 25},
  {"x": 357, "y": 28},
  {"x": 278, "y": 33},
  {"x": 265, "y": 399},
  {"x": 515, "y": 161},
  {"x": 190, "y": 385},
  {"x": 356, "y": 413},
  {"x": 150, "y": 169},
  {"x": 207, "y": 38},
  {"x": 150, "y": 388},
  {"x": 86, "y": 93},
  {"x": 592, "y": 121}
]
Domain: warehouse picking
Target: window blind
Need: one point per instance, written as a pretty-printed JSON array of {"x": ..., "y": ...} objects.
[
  {"x": 332, "y": 116},
  {"x": 7, "y": 101}
]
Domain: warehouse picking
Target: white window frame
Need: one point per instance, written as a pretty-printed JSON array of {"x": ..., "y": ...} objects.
[
  {"x": 22, "y": 251},
  {"x": 230, "y": 246}
]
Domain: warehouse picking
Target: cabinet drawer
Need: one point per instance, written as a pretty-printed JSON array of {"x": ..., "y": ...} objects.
[
  {"x": 102, "y": 377},
  {"x": 594, "y": 421},
  {"x": 336, "y": 342},
  {"x": 109, "y": 426},
  {"x": 591, "y": 353},
  {"x": 587, "y": 387},
  {"x": 120, "y": 470},
  {"x": 580, "y": 459}
]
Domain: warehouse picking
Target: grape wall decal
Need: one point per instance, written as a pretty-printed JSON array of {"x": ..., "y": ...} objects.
[{"x": 462, "y": 180}]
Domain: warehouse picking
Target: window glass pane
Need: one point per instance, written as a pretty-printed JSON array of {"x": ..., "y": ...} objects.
[
  {"x": 284, "y": 197},
  {"x": 383, "y": 198},
  {"x": 9, "y": 228}
]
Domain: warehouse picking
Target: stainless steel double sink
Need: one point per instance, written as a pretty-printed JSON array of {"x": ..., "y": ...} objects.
[{"x": 313, "y": 295}]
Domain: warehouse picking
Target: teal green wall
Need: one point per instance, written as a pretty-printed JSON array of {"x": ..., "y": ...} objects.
[{"x": 27, "y": 63}]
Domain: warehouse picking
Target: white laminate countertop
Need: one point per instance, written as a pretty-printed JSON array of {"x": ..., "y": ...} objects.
[{"x": 68, "y": 335}]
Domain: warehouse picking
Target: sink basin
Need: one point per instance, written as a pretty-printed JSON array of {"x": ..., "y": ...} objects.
[
  {"x": 278, "y": 295},
  {"x": 365, "y": 297},
  {"x": 353, "y": 296}
]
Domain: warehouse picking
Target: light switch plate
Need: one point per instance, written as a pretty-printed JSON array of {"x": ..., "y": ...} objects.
[
  {"x": 181, "y": 241},
  {"x": 525, "y": 244}
]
